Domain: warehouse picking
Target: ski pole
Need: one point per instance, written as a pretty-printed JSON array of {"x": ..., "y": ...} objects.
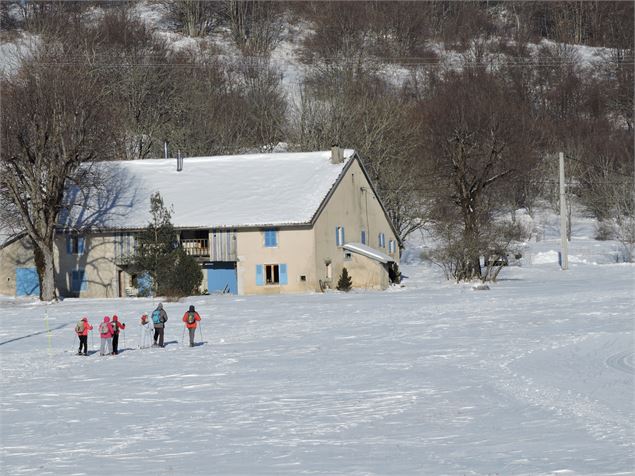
[
  {"x": 92, "y": 341},
  {"x": 183, "y": 336},
  {"x": 200, "y": 329},
  {"x": 124, "y": 339}
]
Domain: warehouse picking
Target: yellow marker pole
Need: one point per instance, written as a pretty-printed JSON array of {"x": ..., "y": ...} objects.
[{"x": 48, "y": 330}]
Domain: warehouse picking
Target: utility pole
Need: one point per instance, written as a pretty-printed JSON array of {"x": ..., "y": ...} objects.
[{"x": 564, "y": 258}]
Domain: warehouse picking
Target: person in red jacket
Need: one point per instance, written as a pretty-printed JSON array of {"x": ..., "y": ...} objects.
[
  {"x": 116, "y": 326},
  {"x": 81, "y": 329},
  {"x": 105, "y": 332},
  {"x": 190, "y": 318}
]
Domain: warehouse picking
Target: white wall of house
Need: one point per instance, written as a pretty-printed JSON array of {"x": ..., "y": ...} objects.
[
  {"x": 18, "y": 254},
  {"x": 295, "y": 249},
  {"x": 95, "y": 265},
  {"x": 354, "y": 207}
]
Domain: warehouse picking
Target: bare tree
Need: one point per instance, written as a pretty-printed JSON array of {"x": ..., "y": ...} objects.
[
  {"x": 256, "y": 26},
  {"x": 362, "y": 112},
  {"x": 139, "y": 75},
  {"x": 476, "y": 139},
  {"x": 194, "y": 17},
  {"x": 51, "y": 124}
]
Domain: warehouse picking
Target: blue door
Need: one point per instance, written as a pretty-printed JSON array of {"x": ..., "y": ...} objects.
[
  {"x": 222, "y": 277},
  {"x": 26, "y": 282}
]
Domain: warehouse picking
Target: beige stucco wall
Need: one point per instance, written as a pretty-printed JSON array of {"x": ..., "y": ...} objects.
[
  {"x": 18, "y": 254},
  {"x": 365, "y": 272},
  {"x": 98, "y": 264},
  {"x": 295, "y": 249},
  {"x": 354, "y": 206}
]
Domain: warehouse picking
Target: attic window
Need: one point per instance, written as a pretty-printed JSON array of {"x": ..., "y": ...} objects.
[
  {"x": 348, "y": 256},
  {"x": 271, "y": 238}
]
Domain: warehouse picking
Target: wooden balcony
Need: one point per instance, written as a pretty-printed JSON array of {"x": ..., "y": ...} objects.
[{"x": 196, "y": 247}]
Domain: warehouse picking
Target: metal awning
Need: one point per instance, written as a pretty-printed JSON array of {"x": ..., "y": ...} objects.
[{"x": 368, "y": 252}]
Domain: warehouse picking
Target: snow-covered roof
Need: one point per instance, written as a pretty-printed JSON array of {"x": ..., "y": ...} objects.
[
  {"x": 211, "y": 192},
  {"x": 368, "y": 252}
]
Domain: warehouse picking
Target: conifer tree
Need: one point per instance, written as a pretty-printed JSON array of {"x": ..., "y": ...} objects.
[
  {"x": 172, "y": 272},
  {"x": 345, "y": 283}
]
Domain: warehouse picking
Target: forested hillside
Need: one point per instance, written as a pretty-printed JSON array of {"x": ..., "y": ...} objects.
[{"x": 458, "y": 110}]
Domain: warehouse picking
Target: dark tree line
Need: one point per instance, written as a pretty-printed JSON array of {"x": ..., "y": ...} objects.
[{"x": 452, "y": 147}]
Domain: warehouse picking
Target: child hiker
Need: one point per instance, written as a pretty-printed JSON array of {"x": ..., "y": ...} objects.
[
  {"x": 105, "y": 332},
  {"x": 116, "y": 326},
  {"x": 190, "y": 318},
  {"x": 82, "y": 328},
  {"x": 147, "y": 330}
]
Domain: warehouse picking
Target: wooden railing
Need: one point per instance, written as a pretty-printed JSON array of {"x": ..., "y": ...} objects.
[{"x": 196, "y": 247}]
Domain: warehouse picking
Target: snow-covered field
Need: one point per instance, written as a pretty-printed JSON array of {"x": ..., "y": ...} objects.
[{"x": 534, "y": 376}]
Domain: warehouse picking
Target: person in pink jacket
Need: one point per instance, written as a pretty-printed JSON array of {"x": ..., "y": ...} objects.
[
  {"x": 81, "y": 329},
  {"x": 105, "y": 332}
]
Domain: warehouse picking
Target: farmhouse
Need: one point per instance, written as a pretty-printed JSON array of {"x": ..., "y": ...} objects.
[{"x": 257, "y": 224}]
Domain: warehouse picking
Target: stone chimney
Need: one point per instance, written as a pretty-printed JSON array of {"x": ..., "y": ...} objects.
[
  {"x": 337, "y": 154},
  {"x": 179, "y": 161}
]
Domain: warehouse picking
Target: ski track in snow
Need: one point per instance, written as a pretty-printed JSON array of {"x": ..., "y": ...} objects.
[{"x": 534, "y": 376}]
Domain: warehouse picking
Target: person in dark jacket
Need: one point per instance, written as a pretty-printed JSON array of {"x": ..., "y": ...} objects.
[
  {"x": 159, "y": 317},
  {"x": 190, "y": 318},
  {"x": 116, "y": 327}
]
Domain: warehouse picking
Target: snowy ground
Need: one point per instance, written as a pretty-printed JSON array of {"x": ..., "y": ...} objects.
[{"x": 534, "y": 376}]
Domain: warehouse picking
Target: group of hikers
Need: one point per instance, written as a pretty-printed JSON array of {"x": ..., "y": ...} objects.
[{"x": 152, "y": 330}]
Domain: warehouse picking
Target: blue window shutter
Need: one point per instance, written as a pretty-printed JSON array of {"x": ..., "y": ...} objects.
[
  {"x": 260, "y": 280},
  {"x": 78, "y": 280},
  {"x": 81, "y": 278},
  {"x": 80, "y": 245},
  {"x": 69, "y": 245},
  {"x": 271, "y": 238},
  {"x": 343, "y": 237},
  {"x": 337, "y": 235},
  {"x": 283, "y": 274},
  {"x": 363, "y": 237}
]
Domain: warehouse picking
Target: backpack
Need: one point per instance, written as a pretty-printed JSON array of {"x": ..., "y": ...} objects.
[
  {"x": 156, "y": 316},
  {"x": 79, "y": 328},
  {"x": 103, "y": 328},
  {"x": 191, "y": 317}
]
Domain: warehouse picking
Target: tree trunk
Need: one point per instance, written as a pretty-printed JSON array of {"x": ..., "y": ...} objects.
[{"x": 45, "y": 264}]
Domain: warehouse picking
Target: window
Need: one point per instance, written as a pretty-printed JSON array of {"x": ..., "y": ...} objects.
[
  {"x": 302, "y": 277},
  {"x": 272, "y": 274},
  {"x": 75, "y": 245},
  {"x": 271, "y": 238},
  {"x": 381, "y": 240},
  {"x": 348, "y": 256},
  {"x": 391, "y": 246},
  {"x": 339, "y": 236},
  {"x": 363, "y": 237},
  {"x": 269, "y": 274},
  {"x": 78, "y": 281}
]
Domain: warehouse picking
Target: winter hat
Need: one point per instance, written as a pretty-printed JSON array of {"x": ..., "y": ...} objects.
[
  {"x": 160, "y": 306},
  {"x": 115, "y": 318},
  {"x": 85, "y": 319},
  {"x": 191, "y": 309},
  {"x": 106, "y": 319}
]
